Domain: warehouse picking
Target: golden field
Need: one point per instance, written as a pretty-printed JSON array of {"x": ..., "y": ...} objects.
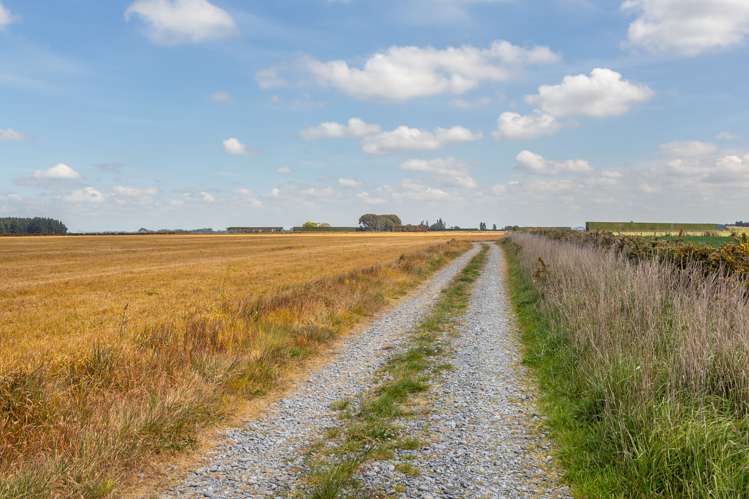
[{"x": 115, "y": 350}]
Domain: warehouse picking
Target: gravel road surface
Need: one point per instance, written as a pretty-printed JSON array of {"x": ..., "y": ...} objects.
[
  {"x": 264, "y": 458},
  {"x": 482, "y": 427}
]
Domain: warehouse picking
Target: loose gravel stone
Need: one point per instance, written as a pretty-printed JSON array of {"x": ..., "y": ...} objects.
[
  {"x": 482, "y": 431},
  {"x": 265, "y": 458}
]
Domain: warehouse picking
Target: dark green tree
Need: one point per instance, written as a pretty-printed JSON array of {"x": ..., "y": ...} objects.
[{"x": 37, "y": 225}]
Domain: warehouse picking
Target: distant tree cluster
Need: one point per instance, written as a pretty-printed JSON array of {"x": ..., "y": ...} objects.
[
  {"x": 438, "y": 225},
  {"x": 32, "y": 226},
  {"x": 742, "y": 224},
  {"x": 374, "y": 222},
  {"x": 315, "y": 225}
]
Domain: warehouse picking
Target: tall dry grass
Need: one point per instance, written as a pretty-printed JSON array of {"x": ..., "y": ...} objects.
[
  {"x": 659, "y": 357},
  {"x": 79, "y": 423}
]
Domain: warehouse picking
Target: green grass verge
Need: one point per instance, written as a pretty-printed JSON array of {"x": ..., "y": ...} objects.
[
  {"x": 370, "y": 432},
  {"x": 714, "y": 241},
  {"x": 677, "y": 449}
]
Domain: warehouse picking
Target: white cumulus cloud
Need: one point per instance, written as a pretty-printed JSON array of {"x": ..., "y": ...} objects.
[
  {"x": 123, "y": 194},
  {"x": 233, "y": 146},
  {"x": 349, "y": 183},
  {"x": 450, "y": 170},
  {"x": 602, "y": 93},
  {"x": 355, "y": 127},
  {"x": 405, "y": 138},
  {"x": 693, "y": 148},
  {"x": 171, "y": 22},
  {"x": 536, "y": 164},
  {"x": 515, "y": 126},
  {"x": 416, "y": 191},
  {"x": 60, "y": 171},
  {"x": 248, "y": 196},
  {"x": 402, "y": 73},
  {"x": 11, "y": 135},
  {"x": 6, "y": 17},
  {"x": 368, "y": 198},
  {"x": 86, "y": 195},
  {"x": 687, "y": 27}
]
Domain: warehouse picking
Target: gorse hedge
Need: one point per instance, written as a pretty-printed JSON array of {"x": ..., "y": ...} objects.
[{"x": 732, "y": 258}]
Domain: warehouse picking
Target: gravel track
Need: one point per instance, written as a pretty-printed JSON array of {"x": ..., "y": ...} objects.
[
  {"x": 265, "y": 457},
  {"x": 484, "y": 435}
]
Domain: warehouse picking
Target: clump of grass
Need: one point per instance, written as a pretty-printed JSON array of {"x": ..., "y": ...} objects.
[
  {"x": 372, "y": 432},
  {"x": 77, "y": 425},
  {"x": 643, "y": 368}
]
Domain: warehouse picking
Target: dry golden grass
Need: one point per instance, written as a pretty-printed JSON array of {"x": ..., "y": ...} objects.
[{"x": 116, "y": 349}]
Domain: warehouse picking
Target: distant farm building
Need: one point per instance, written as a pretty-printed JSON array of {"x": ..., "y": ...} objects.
[{"x": 253, "y": 230}]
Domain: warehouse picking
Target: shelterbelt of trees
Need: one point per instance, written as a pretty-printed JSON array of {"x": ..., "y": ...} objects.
[{"x": 37, "y": 225}]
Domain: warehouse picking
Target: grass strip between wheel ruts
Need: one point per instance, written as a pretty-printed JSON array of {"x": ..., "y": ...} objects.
[{"x": 370, "y": 432}]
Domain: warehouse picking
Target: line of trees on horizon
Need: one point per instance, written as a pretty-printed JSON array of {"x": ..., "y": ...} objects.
[
  {"x": 390, "y": 223},
  {"x": 31, "y": 226}
]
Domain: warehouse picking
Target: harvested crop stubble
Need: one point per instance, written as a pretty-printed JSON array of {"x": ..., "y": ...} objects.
[
  {"x": 656, "y": 365},
  {"x": 79, "y": 421}
]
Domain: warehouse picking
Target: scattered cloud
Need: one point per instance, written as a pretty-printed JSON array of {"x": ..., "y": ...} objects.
[
  {"x": 125, "y": 194},
  {"x": 499, "y": 189},
  {"x": 439, "y": 12},
  {"x": 6, "y": 17},
  {"x": 603, "y": 93},
  {"x": 270, "y": 78},
  {"x": 283, "y": 170},
  {"x": 207, "y": 197},
  {"x": 368, "y": 198},
  {"x": 355, "y": 128},
  {"x": 221, "y": 97},
  {"x": 701, "y": 164},
  {"x": 111, "y": 168},
  {"x": 416, "y": 191},
  {"x": 694, "y": 148},
  {"x": 530, "y": 162},
  {"x": 514, "y": 126},
  {"x": 296, "y": 192},
  {"x": 86, "y": 195},
  {"x": 60, "y": 171},
  {"x": 450, "y": 170},
  {"x": 726, "y": 136},
  {"x": 9, "y": 134},
  {"x": 402, "y": 73},
  {"x": 248, "y": 197},
  {"x": 233, "y": 146},
  {"x": 173, "y": 22},
  {"x": 461, "y": 103},
  {"x": 349, "y": 183},
  {"x": 404, "y": 138},
  {"x": 687, "y": 28}
]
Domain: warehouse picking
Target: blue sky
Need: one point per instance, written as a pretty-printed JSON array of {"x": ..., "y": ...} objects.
[{"x": 191, "y": 113}]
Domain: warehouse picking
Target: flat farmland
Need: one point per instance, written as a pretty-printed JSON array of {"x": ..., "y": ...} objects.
[{"x": 115, "y": 349}]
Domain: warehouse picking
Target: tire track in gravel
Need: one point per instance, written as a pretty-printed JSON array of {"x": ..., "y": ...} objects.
[
  {"x": 482, "y": 428},
  {"x": 266, "y": 456}
]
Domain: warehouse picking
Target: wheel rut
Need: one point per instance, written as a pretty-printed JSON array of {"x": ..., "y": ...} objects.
[
  {"x": 265, "y": 457},
  {"x": 485, "y": 437}
]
